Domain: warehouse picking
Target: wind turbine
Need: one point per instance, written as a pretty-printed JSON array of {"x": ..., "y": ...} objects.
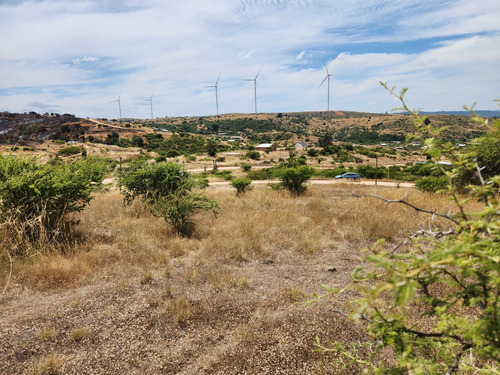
[
  {"x": 216, "y": 86},
  {"x": 119, "y": 105},
  {"x": 328, "y": 75},
  {"x": 150, "y": 100},
  {"x": 254, "y": 87}
]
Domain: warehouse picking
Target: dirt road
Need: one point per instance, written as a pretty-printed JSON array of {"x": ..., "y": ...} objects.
[
  {"x": 327, "y": 182},
  {"x": 313, "y": 182}
]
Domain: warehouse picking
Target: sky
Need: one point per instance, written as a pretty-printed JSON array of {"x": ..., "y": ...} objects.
[{"x": 80, "y": 56}]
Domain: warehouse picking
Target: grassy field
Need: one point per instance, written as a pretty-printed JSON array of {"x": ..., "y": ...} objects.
[{"x": 132, "y": 298}]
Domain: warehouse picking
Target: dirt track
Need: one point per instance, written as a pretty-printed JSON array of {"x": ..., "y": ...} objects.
[{"x": 313, "y": 182}]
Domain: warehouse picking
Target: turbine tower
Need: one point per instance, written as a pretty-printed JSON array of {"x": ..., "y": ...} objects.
[
  {"x": 119, "y": 105},
  {"x": 254, "y": 87},
  {"x": 216, "y": 86},
  {"x": 328, "y": 75},
  {"x": 150, "y": 100}
]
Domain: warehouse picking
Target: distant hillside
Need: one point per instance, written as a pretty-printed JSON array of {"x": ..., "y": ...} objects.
[
  {"x": 29, "y": 128},
  {"x": 482, "y": 113},
  {"x": 284, "y": 128}
]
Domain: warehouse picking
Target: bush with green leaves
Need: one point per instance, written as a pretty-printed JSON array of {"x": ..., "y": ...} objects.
[
  {"x": 255, "y": 155},
  {"x": 294, "y": 178},
  {"x": 436, "y": 303},
  {"x": 169, "y": 191},
  {"x": 486, "y": 152},
  {"x": 242, "y": 185},
  {"x": 37, "y": 200},
  {"x": 71, "y": 150},
  {"x": 246, "y": 167},
  {"x": 432, "y": 184}
]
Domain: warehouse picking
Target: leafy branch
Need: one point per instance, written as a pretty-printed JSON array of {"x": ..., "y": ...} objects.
[{"x": 438, "y": 300}]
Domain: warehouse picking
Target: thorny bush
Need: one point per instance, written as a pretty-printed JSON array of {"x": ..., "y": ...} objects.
[
  {"x": 37, "y": 200},
  {"x": 436, "y": 303}
]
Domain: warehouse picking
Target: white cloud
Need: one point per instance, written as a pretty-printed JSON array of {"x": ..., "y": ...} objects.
[
  {"x": 80, "y": 55},
  {"x": 300, "y": 55},
  {"x": 246, "y": 55},
  {"x": 79, "y": 60}
]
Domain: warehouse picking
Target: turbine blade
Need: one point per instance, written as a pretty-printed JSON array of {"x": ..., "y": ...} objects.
[
  {"x": 327, "y": 72},
  {"x": 216, "y": 82},
  {"x": 258, "y": 73},
  {"x": 322, "y": 82}
]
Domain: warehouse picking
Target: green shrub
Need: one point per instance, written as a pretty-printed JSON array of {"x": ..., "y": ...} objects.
[
  {"x": 37, "y": 199},
  {"x": 225, "y": 175},
  {"x": 293, "y": 179},
  {"x": 242, "y": 185},
  {"x": 486, "y": 152},
  {"x": 167, "y": 189},
  {"x": 261, "y": 174},
  {"x": 71, "y": 150},
  {"x": 246, "y": 167},
  {"x": 432, "y": 184},
  {"x": 331, "y": 173},
  {"x": 312, "y": 152},
  {"x": 369, "y": 171},
  {"x": 255, "y": 155}
]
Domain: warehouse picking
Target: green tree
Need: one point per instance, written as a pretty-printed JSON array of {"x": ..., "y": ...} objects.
[
  {"x": 212, "y": 149},
  {"x": 112, "y": 138},
  {"x": 325, "y": 139},
  {"x": 137, "y": 141},
  {"x": 255, "y": 155},
  {"x": 242, "y": 185},
  {"x": 436, "y": 304},
  {"x": 169, "y": 191},
  {"x": 294, "y": 178}
]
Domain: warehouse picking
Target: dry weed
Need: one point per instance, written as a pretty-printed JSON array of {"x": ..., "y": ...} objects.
[
  {"x": 49, "y": 365},
  {"x": 147, "y": 278},
  {"x": 78, "y": 334},
  {"x": 56, "y": 271},
  {"x": 179, "y": 309},
  {"x": 294, "y": 294},
  {"x": 46, "y": 333},
  {"x": 219, "y": 277}
]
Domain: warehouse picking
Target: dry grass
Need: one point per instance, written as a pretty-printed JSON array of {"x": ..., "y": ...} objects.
[
  {"x": 50, "y": 365},
  {"x": 46, "y": 333},
  {"x": 78, "y": 334},
  {"x": 223, "y": 301},
  {"x": 179, "y": 309}
]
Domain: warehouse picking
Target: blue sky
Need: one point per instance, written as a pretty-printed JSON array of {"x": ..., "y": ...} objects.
[{"x": 77, "y": 56}]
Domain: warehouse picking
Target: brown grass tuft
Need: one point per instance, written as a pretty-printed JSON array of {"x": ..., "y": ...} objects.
[
  {"x": 179, "y": 309},
  {"x": 48, "y": 365},
  {"x": 78, "y": 334},
  {"x": 46, "y": 333}
]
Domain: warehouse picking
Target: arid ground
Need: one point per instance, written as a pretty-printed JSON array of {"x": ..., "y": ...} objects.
[{"x": 132, "y": 298}]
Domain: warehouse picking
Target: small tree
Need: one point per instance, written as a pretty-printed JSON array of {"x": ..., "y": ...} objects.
[
  {"x": 167, "y": 190},
  {"x": 294, "y": 178},
  {"x": 242, "y": 185},
  {"x": 255, "y": 155}
]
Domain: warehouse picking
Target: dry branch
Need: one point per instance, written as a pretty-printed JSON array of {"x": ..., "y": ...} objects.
[{"x": 403, "y": 201}]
